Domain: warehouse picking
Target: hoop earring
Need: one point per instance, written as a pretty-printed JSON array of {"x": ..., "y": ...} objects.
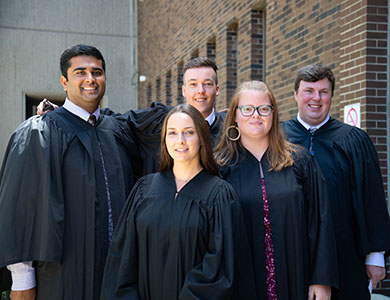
[{"x": 238, "y": 135}]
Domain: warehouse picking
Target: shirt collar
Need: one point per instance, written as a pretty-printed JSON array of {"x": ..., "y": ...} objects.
[
  {"x": 211, "y": 117},
  {"x": 307, "y": 126},
  {"x": 78, "y": 111}
]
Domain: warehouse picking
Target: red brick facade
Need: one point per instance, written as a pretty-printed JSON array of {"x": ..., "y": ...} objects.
[
  {"x": 170, "y": 32},
  {"x": 254, "y": 40}
]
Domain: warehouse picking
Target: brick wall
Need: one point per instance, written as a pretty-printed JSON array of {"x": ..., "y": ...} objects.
[
  {"x": 376, "y": 62},
  {"x": 168, "y": 88},
  {"x": 170, "y": 32},
  {"x": 231, "y": 61},
  {"x": 300, "y": 33}
]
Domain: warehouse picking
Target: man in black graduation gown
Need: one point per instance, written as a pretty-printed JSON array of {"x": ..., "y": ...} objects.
[
  {"x": 200, "y": 89},
  {"x": 63, "y": 182},
  {"x": 350, "y": 165}
]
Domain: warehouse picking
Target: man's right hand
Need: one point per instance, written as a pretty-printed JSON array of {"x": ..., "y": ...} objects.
[{"x": 23, "y": 295}]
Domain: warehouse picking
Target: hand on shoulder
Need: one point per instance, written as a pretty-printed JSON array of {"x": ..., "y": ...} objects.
[{"x": 45, "y": 106}]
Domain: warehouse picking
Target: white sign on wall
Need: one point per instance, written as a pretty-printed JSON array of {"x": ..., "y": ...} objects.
[{"x": 352, "y": 114}]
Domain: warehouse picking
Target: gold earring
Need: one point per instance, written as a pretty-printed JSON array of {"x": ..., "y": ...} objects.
[{"x": 238, "y": 134}]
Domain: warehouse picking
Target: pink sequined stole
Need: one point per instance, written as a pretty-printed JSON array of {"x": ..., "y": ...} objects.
[{"x": 269, "y": 248}]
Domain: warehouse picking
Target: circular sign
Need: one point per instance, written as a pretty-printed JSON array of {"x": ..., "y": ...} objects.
[{"x": 352, "y": 117}]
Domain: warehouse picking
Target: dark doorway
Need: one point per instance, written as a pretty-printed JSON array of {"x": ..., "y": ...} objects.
[{"x": 33, "y": 102}]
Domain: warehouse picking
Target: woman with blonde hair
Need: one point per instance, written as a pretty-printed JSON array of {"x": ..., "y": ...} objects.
[
  {"x": 283, "y": 198},
  {"x": 174, "y": 239}
]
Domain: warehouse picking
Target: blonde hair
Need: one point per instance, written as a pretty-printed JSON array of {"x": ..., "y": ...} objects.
[{"x": 279, "y": 152}]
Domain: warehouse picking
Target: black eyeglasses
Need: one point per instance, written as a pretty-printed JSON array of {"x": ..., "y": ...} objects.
[{"x": 249, "y": 110}]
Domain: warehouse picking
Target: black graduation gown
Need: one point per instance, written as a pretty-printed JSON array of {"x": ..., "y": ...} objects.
[
  {"x": 350, "y": 165},
  {"x": 145, "y": 125},
  {"x": 5, "y": 279},
  {"x": 53, "y": 200},
  {"x": 302, "y": 233},
  {"x": 216, "y": 127},
  {"x": 166, "y": 248}
]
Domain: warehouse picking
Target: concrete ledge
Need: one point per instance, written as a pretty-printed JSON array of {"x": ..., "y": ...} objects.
[{"x": 379, "y": 297}]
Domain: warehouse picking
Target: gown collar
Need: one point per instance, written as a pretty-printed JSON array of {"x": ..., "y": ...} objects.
[
  {"x": 78, "y": 111},
  {"x": 307, "y": 126},
  {"x": 192, "y": 187}
]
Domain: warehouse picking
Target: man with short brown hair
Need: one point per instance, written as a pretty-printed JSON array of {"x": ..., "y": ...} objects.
[
  {"x": 349, "y": 162},
  {"x": 200, "y": 89}
]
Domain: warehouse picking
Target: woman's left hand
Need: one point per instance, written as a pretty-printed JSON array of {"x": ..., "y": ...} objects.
[{"x": 319, "y": 292}]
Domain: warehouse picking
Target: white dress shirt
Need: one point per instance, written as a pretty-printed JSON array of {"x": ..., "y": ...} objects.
[
  {"x": 23, "y": 276},
  {"x": 211, "y": 117},
  {"x": 78, "y": 111},
  {"x": 307, "y": 126}
]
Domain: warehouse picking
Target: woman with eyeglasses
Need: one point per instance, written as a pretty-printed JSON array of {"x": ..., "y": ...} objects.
[
  {"x": 176, "y": 235},
  {"x": 283, "y": 198}
]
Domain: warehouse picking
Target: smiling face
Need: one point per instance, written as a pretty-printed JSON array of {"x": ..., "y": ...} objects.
[
  {"x": 182, "y": 140},
  {"x": 255, "y": 127},
  {"x": 86, "y": 83},
  {"x": 314, "y": 100},
  {"x": 200, "y": 89}
]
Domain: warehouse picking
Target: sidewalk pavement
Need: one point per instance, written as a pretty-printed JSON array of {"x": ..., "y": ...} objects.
[{"x": 379, "y": 297}]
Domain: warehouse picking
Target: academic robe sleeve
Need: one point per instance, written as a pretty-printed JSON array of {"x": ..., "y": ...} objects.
[
  {"x": 120, "y": 279},
  {"x": 145, "y": 125},
  {"x": 146, "y": 120},
  {"x": 31, "y": 198},
  {"x": 321, "y": 238},
  {"x": 213, "y": 277},
  {"x": 367, "y": 192}
]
